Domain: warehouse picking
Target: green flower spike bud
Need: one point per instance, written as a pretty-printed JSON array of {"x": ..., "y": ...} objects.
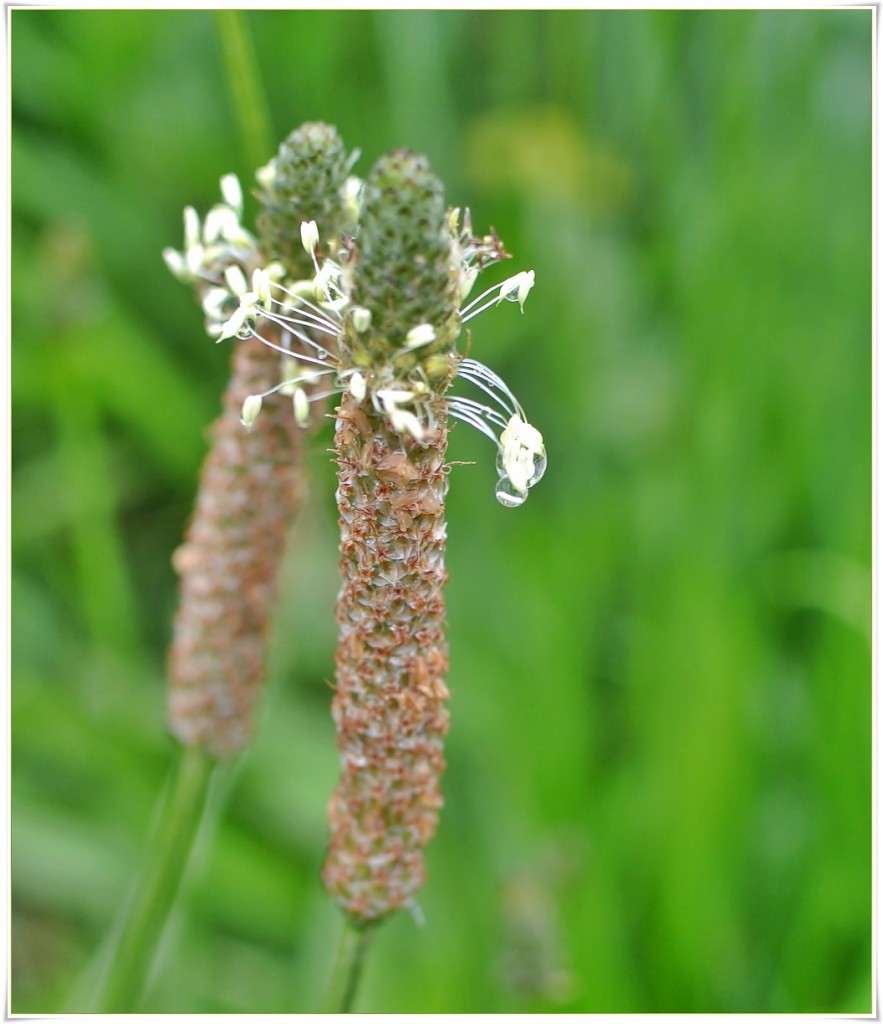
[{"x": 305, "y": 182}]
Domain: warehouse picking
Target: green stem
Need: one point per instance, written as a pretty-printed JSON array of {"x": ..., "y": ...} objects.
[
  {"x": 245, "y": 86},
  {"x": 354, "y": 941},
  {"x": 148, "y": 910}
]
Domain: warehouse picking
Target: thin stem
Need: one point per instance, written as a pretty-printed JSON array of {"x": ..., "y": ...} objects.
[
  {"x": 245, "y": 85},
  {"x": 148, "y": 910},
  {"x": 354, "y": 941}
]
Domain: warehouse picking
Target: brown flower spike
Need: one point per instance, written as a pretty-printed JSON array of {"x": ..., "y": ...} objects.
[
  {"x": 252, "y": 480},
  {"x": 404, "y": 280},
  {"x": 377, "y": 323},
  {"x": 249, "y": 490},
  {"x": 391, "y": 660}
]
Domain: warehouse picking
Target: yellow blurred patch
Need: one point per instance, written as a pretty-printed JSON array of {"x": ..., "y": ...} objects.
[{"x": 545, "y": 152}]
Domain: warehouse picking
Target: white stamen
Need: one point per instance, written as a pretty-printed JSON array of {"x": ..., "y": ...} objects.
[
  {"x": 309, "y": 236},
  {"x": 361, "y": 319},
  {"x": 301, "y": 407},
  {"x": 467, "y": 280},
  {"x": 288, "y": 387},
  {"x": 250, "y": 409},
  {"x": 221, "y": 224},
  {"x": 275, "y": 271},
  {"x": 315, "y": 323},
  {"x": 484, "y": 377},
  {"x": 236, "y": 280},
  {"x": 422, "y": 334},
  {"x": 260, "y": 285},
  {"x": 214, "y": 301},
  {"x": 232, "y": 327},
  {"x": 400, "y": 419},
  {"x": 266, "y": 174},
  {"x": 467, "y": 415},
  {"x": 326, "y": 279},
  {"x": 302, "y": 290},
  {"x": 357, "y": 386},
  {"x": 231, "y": 192},
  {"x": 393, "y": 397},
  {"x": 479, "y": 409},
  {"x": 523, "y": 454},
  {"x": 352, "y": 194},
  {"x": 515, "y": 289},
  {"x": 243, "y": 317},
  {"x": 524, "y": 286},
  {"x": 195, "y": 255},
  {"x": 191, "y": 227},
  {"x": 286, "y": 351},
  {"x": 176, "y": 262},
  {"x": 406, "y": 423}
]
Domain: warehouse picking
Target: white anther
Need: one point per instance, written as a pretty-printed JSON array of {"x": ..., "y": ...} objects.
[
  {"x": 328, "y": 274},
  {"x": 361, "y": 319},
  {"x": 352, "y": 193},
  {"x": 250, "y": 409},
  {"x": 467, "y": 280},
  {"x": 405, "y": 423},
  {"x": 266, "y": 174},
  {"x": 260, "y": 285},
  {"x": 221, "y": 225},
  {"x": 194, "y": 255},
  {"x": 236, "y": 280},
  {"x": 422, "y": 334},
  {"x": 394, "y": 397},
  {"x": 521, "y": 449},
  {"x": 191, "y": 227},
  {"x": 400, "y": 419},
  {"x": 527, "y": 280},
  {"x": 231, "y": 191},
  {"x": 301, "y": 407},
  {"x": 309, "y": 235},
  {"x": 176, "y": 262},
  {"x": 214, "y": 301},
  {"x": 357, "y": 386},
  {"x": 516, "y": 288},
  {"x": 243, "y": 317}
]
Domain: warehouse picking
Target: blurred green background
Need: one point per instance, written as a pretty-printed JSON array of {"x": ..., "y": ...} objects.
[{"x": 659, "y": 783}]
